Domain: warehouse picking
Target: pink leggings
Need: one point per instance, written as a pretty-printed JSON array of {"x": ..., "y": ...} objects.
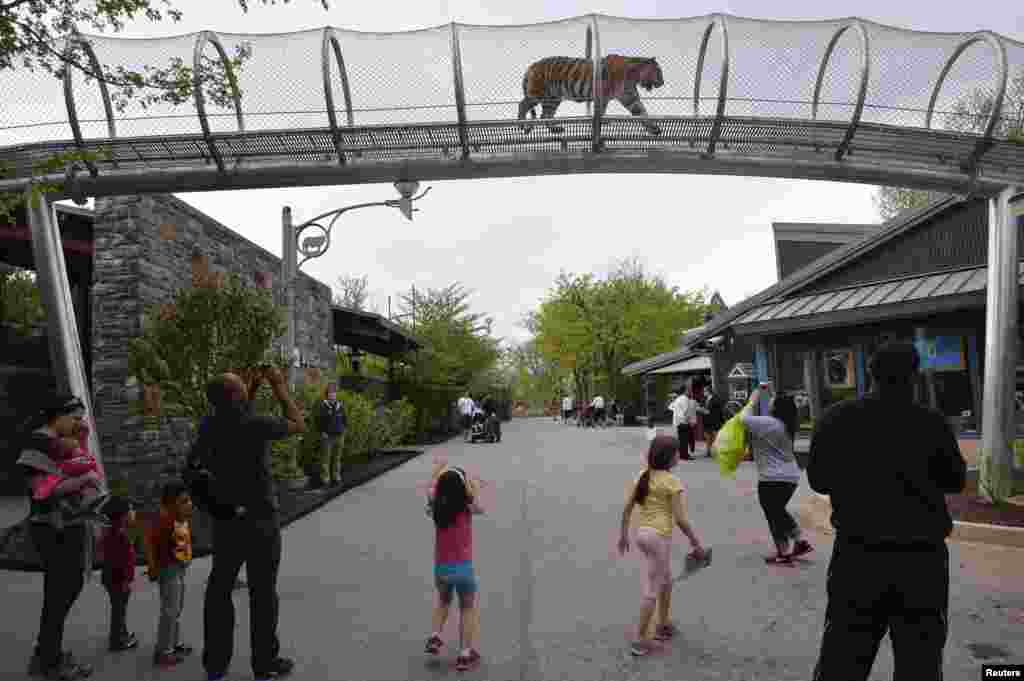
[{"x": 657, "y": 549}]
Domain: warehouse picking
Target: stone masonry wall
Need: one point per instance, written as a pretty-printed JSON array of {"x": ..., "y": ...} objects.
[{"x": 146, "y": 248}]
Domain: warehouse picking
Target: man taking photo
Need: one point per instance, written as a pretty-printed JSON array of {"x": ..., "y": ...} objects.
[{"x": 235, "y": 448}]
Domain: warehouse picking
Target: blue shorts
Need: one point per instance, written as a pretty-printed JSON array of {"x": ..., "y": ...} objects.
[{"x": 458, "y": 577}]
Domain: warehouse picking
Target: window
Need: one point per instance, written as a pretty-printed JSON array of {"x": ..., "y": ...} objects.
[{"x": 839, "y": 369}]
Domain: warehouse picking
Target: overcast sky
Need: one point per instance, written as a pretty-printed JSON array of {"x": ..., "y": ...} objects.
[{"x": 508, "y": 239}]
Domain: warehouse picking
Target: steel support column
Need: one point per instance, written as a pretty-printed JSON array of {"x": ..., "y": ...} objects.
[
  {"x": 597, "y": 86},
  {"x": 66, "y": 358},
  {"x": 998, "y": 418},
  {"x": 288, "y": 282}
]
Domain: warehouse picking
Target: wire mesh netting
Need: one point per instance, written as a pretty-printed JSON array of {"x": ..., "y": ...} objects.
[{"x": 781, "y": 87}]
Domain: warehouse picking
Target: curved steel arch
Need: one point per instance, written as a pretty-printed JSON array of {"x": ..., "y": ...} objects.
[
  {"x": 595, "y": 144},
  {"x": 865, "y": 72},
  {"x": 1000, "y": 54},
  {"x": 460, "y": 93},
  {"x": 69, "y": 96},
  {"x": 329, "y": 41},
  {"x": 197, "y": 90},
  {"x": 985, "y": 143},
  {"x": 723, "y": 81}
]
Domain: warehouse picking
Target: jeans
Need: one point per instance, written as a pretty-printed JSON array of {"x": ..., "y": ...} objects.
[
  {"x": 902, "y": 590},
  {"x": 63, "y": 554},
  {"x": 172, "y": 602},
  {"x": 118, "y": 614},
  {"x": 331, "y": 447},
  {"x": 255, "y": 542}
]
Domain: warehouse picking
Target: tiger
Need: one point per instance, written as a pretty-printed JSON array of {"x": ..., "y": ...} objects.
[{"x": 553, "y": 79}]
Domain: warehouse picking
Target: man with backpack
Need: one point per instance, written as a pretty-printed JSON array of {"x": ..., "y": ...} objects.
[
  {"x": 238, "y": 490},
  {"x": 890, "y": 564}
]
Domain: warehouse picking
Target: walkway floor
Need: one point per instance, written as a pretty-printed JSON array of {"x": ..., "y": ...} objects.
[{"x": 557, "y": 603}]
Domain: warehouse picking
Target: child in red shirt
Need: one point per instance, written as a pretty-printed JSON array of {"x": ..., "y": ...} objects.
[
  {"x": 169, "y": 553},
  {"x": 119, "y": 571},
  {"x": 451, "y": 503}
]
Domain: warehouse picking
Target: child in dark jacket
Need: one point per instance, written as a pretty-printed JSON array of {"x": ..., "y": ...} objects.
[{"x": 119, "y": 571}]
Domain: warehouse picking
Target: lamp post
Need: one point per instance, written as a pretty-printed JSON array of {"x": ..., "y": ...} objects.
[{"x": 315, "y": 246}]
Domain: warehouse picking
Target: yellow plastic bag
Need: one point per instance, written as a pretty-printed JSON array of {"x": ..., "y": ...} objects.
[{"x": 731, "y": 445}]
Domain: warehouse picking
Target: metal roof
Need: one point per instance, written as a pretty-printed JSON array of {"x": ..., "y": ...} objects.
[{"x": 951, "y": 284}]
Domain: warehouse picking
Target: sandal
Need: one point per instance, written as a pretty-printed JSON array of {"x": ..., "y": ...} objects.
[
  {"x": 666, "y": 632},
  {"x": 802, "y": 547},
  {"x": 434, "y": 645},
  {"x": 640, "y": 648},
  {"x": 465, "y": 661}
]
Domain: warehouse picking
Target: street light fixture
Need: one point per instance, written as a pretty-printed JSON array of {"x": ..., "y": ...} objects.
[{"x": 317, "y": 245}]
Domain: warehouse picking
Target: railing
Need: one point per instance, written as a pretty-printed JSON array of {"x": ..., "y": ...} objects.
[{"x": 452, "y": 91}]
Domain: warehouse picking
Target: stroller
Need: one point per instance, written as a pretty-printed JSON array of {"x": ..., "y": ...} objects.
[
  {"x": 485, "y": 429},
  {"x": 586, "y": 419}
]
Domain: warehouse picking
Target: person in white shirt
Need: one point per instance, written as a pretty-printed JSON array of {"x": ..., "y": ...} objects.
[
  {"x": 598, "y": 405},
  {"x": 684, "y": 417},
  {"x": 566, "y": 408},
  {"x": 466, "y": 406}
]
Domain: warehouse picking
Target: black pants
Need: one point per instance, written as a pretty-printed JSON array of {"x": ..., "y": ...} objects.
[
  {"x": 63, "y": 557},
  {"x": 872, "y": 590},
  {"x": 118, "y": 614},
  {"x": 773, "y": 497},
  {"x": 686, "y": 441},
  {"x": 257, "y": 544}
]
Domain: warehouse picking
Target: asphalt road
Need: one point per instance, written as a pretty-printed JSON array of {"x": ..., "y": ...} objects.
[{"x": 557, "y": 603}]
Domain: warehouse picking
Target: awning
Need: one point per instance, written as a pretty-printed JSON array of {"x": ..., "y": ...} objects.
[
  {"x": 922, "y": 294},
  {"x": 370, "y": 332},
  {"x": 702, "y": 363}
]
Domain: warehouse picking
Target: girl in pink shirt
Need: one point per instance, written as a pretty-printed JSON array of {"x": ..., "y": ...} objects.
[{"x": 451, "y": 502}]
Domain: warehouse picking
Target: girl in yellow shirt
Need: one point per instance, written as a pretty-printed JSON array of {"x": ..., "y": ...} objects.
[{"x": 657, "y": 496}]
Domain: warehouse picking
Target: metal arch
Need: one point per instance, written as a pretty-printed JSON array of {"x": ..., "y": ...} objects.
[
  {"x": 197, "y": 90},
  {"x": 985, "y": 143},
  {"x": 330, "y": 40},
  {"x": 588, "y": 53},
  {"x": 595, "y": 87},
  {"x": 460, "y": 92},
  {"x": 723, "y": 81},
  {"x": 69, "y": 96},
  {"x": 1000, "y": 51},
  {"x": 865, "y": 72}
]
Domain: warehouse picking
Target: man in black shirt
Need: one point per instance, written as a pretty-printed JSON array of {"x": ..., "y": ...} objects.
[
  {"x": 235, "y": 446},
  {"x": 890, "y": 564}
]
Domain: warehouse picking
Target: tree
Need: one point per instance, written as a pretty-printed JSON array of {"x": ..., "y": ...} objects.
[
  {"x": 217, "y": 325},
  {"x": 969, "y": 114},
  {"x": 36, "y": 34},
  {"x": 353, "y": 292},
  {"x": 21, "y": 304}
]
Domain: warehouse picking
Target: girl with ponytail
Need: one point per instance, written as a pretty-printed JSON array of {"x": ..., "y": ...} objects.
[
  {"x": 657, "y": 496},
  {"x": 451, "y": 502}
]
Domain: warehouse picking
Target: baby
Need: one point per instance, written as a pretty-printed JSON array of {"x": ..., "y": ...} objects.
[{"x": 72, "y": 457}]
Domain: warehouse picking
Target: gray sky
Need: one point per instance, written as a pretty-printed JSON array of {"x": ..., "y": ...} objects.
[{"x": 508, "y": 239}]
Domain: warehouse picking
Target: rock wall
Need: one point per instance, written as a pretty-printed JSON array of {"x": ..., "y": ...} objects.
[{"x": 147, "y": 248}]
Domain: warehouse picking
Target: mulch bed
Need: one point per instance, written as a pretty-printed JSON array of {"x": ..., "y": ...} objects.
[
  {"x": 970, "y": 508},
  {"x": 17, "y": 552}
]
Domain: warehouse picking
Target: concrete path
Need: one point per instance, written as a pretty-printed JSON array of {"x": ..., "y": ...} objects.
[{"x": 356, "y": 586}]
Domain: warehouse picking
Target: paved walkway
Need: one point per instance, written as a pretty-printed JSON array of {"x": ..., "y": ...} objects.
[{"x": 557, "y": 604}]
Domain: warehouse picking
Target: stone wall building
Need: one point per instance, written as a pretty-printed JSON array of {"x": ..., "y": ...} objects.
[{"x": 146, "y": 248}]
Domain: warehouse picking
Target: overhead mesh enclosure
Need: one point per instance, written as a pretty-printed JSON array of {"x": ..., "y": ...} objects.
[{"x": 731, "y": 87}]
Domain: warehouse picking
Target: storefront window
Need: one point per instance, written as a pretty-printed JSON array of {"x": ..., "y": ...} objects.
[{"x": 840, "y": 376}]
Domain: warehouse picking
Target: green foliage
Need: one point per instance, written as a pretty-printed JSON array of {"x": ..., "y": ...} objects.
[
  {"x": 21, "y": 304},
  {"x": 34, "y": 35},
  {"x": 891, "y": 201},
  {"x": 213, "y": 327}
]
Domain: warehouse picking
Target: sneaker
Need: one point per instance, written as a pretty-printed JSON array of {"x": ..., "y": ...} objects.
[
  {"x": 127, "y": 643},
  {"x": 280, "y": 668},
  {"x": 167, "y": 660},
  {"x": 666, "y": 632},
  {"x": 434, "y": 645},
  {"x": 68, "y": 670},
  {"x": 779, "y": 559},
  {"x": 182, "y": 650},
  {"x": 216, "y": 676},
  {"x": 467, "y": 660}
]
